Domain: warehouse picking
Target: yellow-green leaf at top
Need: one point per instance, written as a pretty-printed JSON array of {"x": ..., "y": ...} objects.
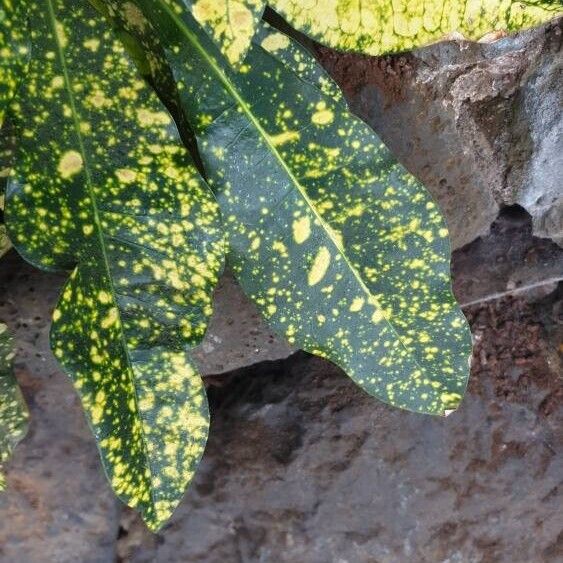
[
  {"x": 337, "y": 245},
  {"x": 382, "y": 26},
  {"x": 13, "y": 49},
  {"x": 102, "y": 187},
  {"x": 230, "y": 23},
  {"x": 13, "y": 412}
]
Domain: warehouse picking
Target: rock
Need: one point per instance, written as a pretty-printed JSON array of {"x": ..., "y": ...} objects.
[
  {"x": 507, "y": 260},
  {"x": 304, "y": 466},
  {"x": 57, "y": 506},
  {"x": 237, "y": 335},
  {"x": 301, "y": 464},
  {"x": 480, "y": 124}
]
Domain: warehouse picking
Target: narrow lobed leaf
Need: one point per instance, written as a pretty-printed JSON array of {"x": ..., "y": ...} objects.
[
  {"x": 102, "y": 186},
  {"x": 376, "y": 27},
  {"x": 13, "y": 412},
  {"x": 342, "y": 250}
]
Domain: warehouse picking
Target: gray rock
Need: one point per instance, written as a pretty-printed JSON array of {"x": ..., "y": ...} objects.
[
  {"x": 480, "y": 124},
  {"x": 237, "y": 335},
  {"x": 302, "y": 466}
]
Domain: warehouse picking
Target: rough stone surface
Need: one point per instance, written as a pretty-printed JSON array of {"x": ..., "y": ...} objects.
[
  {"x": 302, "y": 466},
  {"x": 57, "y": 506},
  {"x": 480, "y": 124},
  {"x": 237, "y": 335}
]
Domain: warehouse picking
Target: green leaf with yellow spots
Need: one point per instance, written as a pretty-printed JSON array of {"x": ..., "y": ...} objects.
[
  {"x": 5, "y": 243},
  {"x": 13, "y": 412},
  {"x": 342, "y": 250},
  {"x": 102, "y": 186},
  {"x": 383, "y": 26},
  {"x": 230, "y": 23},
  {"x": 6, "y": 154},
  {"x": 13, "y": 49}
]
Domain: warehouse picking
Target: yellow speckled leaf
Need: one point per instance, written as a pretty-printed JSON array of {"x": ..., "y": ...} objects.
[
  {"x": 382, "y": 26},
  {"x": 341, "y": 249},
  {"x": 13, "y": 49},
  {"x": 13, "y": 412},
  {"x": 5, "y": 165},
  {"x": 230, "y": 23},
  {"x": 102, "y": 186}
]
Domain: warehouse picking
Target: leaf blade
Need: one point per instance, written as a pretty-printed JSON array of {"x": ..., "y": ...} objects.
[
  {"x": 299, "y": 183},
  {"x": 386, "y": 26},
  {"x": 128, "y": 212}
]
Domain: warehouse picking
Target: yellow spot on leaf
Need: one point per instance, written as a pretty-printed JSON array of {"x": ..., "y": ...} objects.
[
  {"x": 357, "y": 305},
  {"x": 285, "y": 137},
  {"x": 126, "y": 175},
  {"x": 323, "y": 115},
  {"x": 320, "y": 266},
  {"x": 111, "y": 318},
  {"x": 275, "y": 41},
  {"x": 70, "y": 164},
  {"x": 301, "y": 229}
]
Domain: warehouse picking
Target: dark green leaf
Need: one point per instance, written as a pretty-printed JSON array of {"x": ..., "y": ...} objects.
[
  {"x": 340, "y": 248},
  {"x": 102, "y": 186}
]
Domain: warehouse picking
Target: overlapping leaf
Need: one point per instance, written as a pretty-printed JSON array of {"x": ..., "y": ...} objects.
[
  {"x": 230, "y": 23},
  {"x": 102, "y": 186},
  {"x": 13, "y": 49},
  {"x": 13, "y": 412},
  {"x": 382, "y": 26},
  {"x": 6, "y": 158},
  {"x": 340, "y": 248},
  {"x": 374, "y": 27}
]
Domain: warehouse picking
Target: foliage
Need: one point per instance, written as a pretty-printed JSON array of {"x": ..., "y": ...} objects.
[
  {"x": 13, "y": 412},
  {"x": 373, "y": 27},
  {"x": 342, "y": 250},
  {"x": 128, "y": 213}
]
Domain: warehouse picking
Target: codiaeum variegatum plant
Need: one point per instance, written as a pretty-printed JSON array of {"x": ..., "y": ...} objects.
[
  {"x": 342, "y": 250},
  {"x": 13, "y": 412}
]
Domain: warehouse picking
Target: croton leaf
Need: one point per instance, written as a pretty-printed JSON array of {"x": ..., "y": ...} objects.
[
  {"x": 230, "y": 23},
  {"x": 5, "y": 243},
  {"x": 342, "y": 250},
  {"x": 382, "y": 26},
  {"x": 6, "y": 159},
  {"x": 13, "y": 49},
  {"x": 13, "y": 412},
  {"x": 102, "y": 186}
]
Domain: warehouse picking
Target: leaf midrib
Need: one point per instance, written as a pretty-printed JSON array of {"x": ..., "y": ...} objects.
[
  {"x": 97, "y": 221},
  {"x": 243, "y": 104}
]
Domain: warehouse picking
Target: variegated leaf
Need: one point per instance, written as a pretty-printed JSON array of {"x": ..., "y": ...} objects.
[
  {"x": 103, "y": 186},
  {"x": 6, "y": 157},
  {"x": 13, "y": 49},
  {"x": 230, "y": 23},
  {"x": 382, "y": 26},
  {"x": 341, "y": 249},
  {"x": 13, "y": 412}
]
